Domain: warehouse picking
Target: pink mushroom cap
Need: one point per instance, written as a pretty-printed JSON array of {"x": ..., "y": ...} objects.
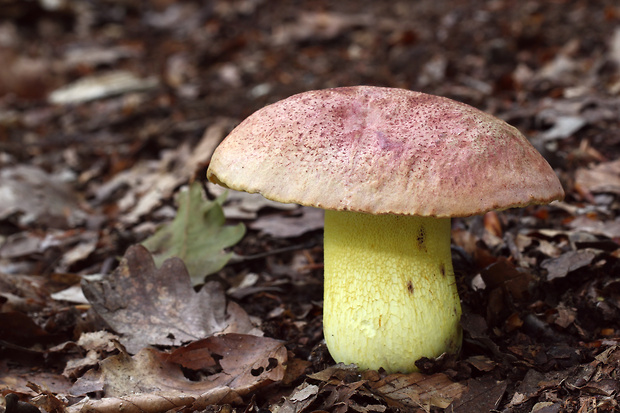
[{"x": 383, "y": 151}]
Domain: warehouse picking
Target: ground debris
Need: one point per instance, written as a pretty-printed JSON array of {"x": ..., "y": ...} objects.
[{"x": 108, "y": 109}]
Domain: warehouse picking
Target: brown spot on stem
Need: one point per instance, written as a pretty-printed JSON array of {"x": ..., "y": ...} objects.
[
  {"x": 442, "y": 269},
  {"x": 421, "y": 238},
  {"x": 410, "y": 287}
]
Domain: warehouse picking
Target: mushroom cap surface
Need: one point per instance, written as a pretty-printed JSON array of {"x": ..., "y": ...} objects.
[{"x": 383, "y": 151}]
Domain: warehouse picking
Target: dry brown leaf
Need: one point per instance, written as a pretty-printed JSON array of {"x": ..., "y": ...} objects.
[
  {"x": 482, "y": 395},
  {"x": 155, "y": 403},
  {"x": 77, "y": 245},
  {"x": 609, "y": 229},
  {"x": 140, "y": 190},
  {"x": 18, "y": 328},
  {"x": 162, "y": 302},
  {"x": 201, "y": 154},
  {"x": 604, "y": 177},
  {"x": 146, "y": 372},
  {"x": 482, "y": 363},
  {"x": 19, "y": 380},
  {"x": 567, "y": 262},
  {"x": 95, "y": 346},
  {"x": 56, "y": 204},
  {"x": 417, "y": 389},
  {"x": 243, "y": 205},
  {"x": 503, "y": 274},
  {"x": 283, "y": 226},
  {"x": 23, "y": 293},
  {"x": 100, "y": 86},
  {"x": 303, "y": 396},
  {"x": 338, "y": 371},
  {"x": 318, "y": 26},
  {"x": 246, "y": 361}
]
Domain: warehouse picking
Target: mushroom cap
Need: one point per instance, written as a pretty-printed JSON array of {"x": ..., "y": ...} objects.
[{"x": 383, "y": 151}]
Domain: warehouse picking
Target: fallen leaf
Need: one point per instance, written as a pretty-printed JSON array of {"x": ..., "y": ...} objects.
[
  {"x": 19, "y": 329},
  {"x": 318, "y": 26},
  {"x": 564, "y": 127},
  {"x": 201, "y": 154},
  {"x": 156, "y": 403},
  {"x": 481, "y": 363},
  {"x": 417, "y": 389},
  {"x": 504, "y": 274},
  {"x": 162, "y": 302},
  {"x": 609, "y": 229},
  {"x": 604, "y": 177},
  {"x": 197, "y": 235},
  {"x": 483, "y": 394},
  {"x": 92, "y": 56},
  {"x": 137, "y": 191},
  {"x": 23, "y": 293},
  {"x": 56, "y": 204},
  {"x": 343, "y": 389},
  {"x": 243, "y": 205},
  {"x": 73, "y": 294},
  {"x": 246, "y": 361},
  {"x": 283, "y": 226},
  {"x": 338, "y": 371},
  {"x": 567, "y": 262},
  {"x": 101, "y": 86},
  {"x": 305, "y": 393},
  {"x": 19, "y": 379}
]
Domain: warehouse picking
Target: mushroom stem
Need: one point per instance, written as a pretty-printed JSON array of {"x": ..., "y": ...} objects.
[{"x": 390, "y": 294}]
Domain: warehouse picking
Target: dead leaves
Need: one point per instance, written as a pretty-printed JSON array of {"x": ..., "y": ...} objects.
[
  {"x": 162, "y": 302},
  {"x": 420, "y": 390},
  {"x": 242, "y": 362},
  {"x": 30, "y": 195},
  {"x": 127, "y": 152},
  {"x": 342, "y": 388},
  {"x": 604, "y": 177},
  {"x": 570, "y": 261},
  {"x": 153, "y": 381}
]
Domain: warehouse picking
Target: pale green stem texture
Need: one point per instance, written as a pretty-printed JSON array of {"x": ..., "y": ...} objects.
[{"x": 390, "y": 293}]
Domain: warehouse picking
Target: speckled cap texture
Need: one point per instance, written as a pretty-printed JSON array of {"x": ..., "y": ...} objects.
[{"x": 383, "y": 151}]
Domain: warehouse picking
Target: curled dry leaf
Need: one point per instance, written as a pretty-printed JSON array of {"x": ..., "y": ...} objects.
[
  {"x": 162, "y": 302},
  {"x": 155, "y": 381},
  {"x": 417, "y": 389},
  {"x": 149, "y": 371},
  {"x": 246, "y": 361}
]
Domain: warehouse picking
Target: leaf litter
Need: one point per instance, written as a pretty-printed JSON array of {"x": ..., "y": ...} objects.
[
  {"x": 84, "y": 181},
  {"x": 162, "y": 302}
]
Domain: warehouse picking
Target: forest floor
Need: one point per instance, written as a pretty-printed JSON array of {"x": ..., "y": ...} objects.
[{"x": 109, "y": 113}]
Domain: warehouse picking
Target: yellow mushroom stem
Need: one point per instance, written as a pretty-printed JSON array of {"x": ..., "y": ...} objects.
[{"x": 390, "y": 293}]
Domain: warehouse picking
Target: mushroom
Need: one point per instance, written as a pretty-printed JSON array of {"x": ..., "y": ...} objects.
[{"x": 390, "y": 167}]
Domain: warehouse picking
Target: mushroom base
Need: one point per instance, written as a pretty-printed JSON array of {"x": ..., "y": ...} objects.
[{"x": 390, "y": 293}]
